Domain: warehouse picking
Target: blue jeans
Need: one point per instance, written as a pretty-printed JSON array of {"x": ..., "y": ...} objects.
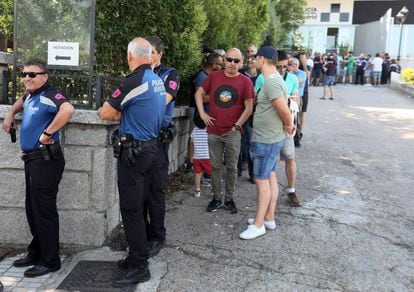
[{"x": 265, "y": 158}]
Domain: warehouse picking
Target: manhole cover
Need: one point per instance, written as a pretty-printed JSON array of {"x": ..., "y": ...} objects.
[{"x": 93, "y": 276}]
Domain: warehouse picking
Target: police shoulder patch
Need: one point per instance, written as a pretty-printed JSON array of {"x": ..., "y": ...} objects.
[
  {"x": 59, "y": 96},
  {"x": 116, "y": 93},
  {"x": 173, "y": 84}
]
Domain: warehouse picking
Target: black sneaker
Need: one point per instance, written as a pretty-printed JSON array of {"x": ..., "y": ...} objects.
[
  {"x": 231, "y": 206},
  {"x": 154, "y": 247},
  {"x": 214, "y": 205},
  {"x": 123, "y": 264}
]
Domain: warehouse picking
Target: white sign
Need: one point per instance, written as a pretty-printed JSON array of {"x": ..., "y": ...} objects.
[{"x": 63, "y": 53}]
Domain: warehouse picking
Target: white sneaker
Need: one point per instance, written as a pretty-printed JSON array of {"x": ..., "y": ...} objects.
[
  {"x": 197, "y": 193},
  {"x": 271, "y": 225},
  {"x": 252, "y": 232}
]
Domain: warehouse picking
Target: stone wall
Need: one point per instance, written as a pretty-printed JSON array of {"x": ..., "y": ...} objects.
[
  {"x": 397, "y": 83},
  {"x": 88, "y": 199}
]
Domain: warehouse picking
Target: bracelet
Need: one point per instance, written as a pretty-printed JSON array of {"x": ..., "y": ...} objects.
[
  {"x": 237, "y": 127},
  {"x": 47, "y": 134}
]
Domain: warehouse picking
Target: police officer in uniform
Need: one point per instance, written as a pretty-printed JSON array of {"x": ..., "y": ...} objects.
[
  {"x": 155, "y": 204},
  {"x": 45, "y": 112},
  {"x": 139, "y": 105}
]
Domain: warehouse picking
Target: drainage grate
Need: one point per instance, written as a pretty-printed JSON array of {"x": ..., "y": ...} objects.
[{"x": 93, "y": 276}]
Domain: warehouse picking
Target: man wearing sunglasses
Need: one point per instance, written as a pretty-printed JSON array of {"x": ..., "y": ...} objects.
[
  {"x": 230, "y": 95},
  {"x": 250, "y": 70},
  {"x": 45, "y": 112}
]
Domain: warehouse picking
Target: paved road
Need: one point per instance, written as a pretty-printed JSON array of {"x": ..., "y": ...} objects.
[{"x": 355, "y": 229}]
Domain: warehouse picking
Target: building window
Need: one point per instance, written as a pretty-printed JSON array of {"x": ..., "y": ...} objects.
[
  {"x": 335, "y": 7},
  {"x": 325, "y": 17},
  {"x": 343, "y": 17}
]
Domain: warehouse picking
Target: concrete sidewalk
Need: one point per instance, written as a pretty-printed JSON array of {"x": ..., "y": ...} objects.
[{"x": 353, "y": 233}]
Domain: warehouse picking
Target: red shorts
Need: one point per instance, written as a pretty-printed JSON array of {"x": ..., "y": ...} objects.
[{"x": 202, "y": 165}]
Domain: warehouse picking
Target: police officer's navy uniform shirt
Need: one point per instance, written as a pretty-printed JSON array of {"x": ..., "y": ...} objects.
[
  {"x": 172, "y": 84},
  {"x": 141, "y": 101},
  {"x": 39, "y": 110}
]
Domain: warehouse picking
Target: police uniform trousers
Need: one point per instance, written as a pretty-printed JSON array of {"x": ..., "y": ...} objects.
[
  {"x": 42, "y": 184},
  {"x": 155, "y": 204},
  {"x": 132, "y": 194}
]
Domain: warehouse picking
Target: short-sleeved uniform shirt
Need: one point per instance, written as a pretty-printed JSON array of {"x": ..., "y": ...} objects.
[
  {"x": 227, "y": 97},
  {"x": 39, "y": 110},
  {"x": 267, "y": 125},
  {"x": 171, "y": 81},
  {"x": 141, "y": 101}
]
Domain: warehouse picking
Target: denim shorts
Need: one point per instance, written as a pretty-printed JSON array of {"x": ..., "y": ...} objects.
[
  {"x": 329, "y": 81},
  {"x": 265, "y": 158}
]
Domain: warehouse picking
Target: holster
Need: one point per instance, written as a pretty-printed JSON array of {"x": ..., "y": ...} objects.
[
  {"x": 51, "y": 151},
  {"x": 167, "y": 134}
]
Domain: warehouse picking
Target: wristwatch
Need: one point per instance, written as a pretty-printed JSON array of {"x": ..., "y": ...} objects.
[
  {"x": 47, "y": 134},
  {"x": 237, "y": 127}
]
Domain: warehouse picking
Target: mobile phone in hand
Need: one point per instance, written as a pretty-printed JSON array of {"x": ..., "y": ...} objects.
[{"x": 13, "y": 134}]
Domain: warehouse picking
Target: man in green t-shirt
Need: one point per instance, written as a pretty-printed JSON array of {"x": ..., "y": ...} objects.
[
  {"x": 271, "y": 121},
  {"x": 349, "y": 67}
]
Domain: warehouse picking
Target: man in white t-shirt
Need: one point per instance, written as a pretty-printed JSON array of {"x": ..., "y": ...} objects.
[{"x": 377, "y": 69}]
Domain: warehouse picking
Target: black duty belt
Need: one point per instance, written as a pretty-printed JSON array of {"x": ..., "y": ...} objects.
[
  {"x": 37, "y": 154},
  {"x": 146, "y": 143}
]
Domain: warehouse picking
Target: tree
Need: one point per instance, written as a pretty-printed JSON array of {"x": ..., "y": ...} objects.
[
  {"x": 234, "y": 26},
  {"x": 118, "y": 22},
  {"x": 6, "y": 22},
  {"x": 285, "y": 17},
  {"x": 6, "y": 18}
]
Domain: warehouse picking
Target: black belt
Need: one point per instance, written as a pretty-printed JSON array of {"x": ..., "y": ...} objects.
[
  {"x": 146, "y": 143},
  {"x": 32, "y": 155}
]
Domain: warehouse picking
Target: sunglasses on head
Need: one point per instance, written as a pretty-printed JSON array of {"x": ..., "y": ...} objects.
[
  {"x": 235, "y": 60},
  {"x": 280, "y": 67},
  {"x": 31, "y": 74}
]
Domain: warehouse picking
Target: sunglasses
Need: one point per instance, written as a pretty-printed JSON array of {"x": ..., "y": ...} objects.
[
  {"x": 280, "y": 67},
  {"x": 31, "y": 74},
  {"x": 235, "y": 60}
]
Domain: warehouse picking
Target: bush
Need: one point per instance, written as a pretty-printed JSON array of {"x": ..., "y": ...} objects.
[{"x": 408, "y": 75}]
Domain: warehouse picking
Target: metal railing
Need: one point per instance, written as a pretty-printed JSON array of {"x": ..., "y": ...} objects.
[{"x": 73, "y": 86}]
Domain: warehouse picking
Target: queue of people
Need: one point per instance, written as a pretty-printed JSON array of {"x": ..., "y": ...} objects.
[
  {"x": 364, "y": 70},
  {"x": 255, "y": 108}
]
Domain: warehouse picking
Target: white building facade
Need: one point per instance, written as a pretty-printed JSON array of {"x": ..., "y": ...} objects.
[{"x": 362, "y": 26}]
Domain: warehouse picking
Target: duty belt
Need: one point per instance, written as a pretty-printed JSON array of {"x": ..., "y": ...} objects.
[
  {"x": 137, "y": 144},
  {"x": 145, "y": 143},
  {"x": 37, "y": 154}
]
